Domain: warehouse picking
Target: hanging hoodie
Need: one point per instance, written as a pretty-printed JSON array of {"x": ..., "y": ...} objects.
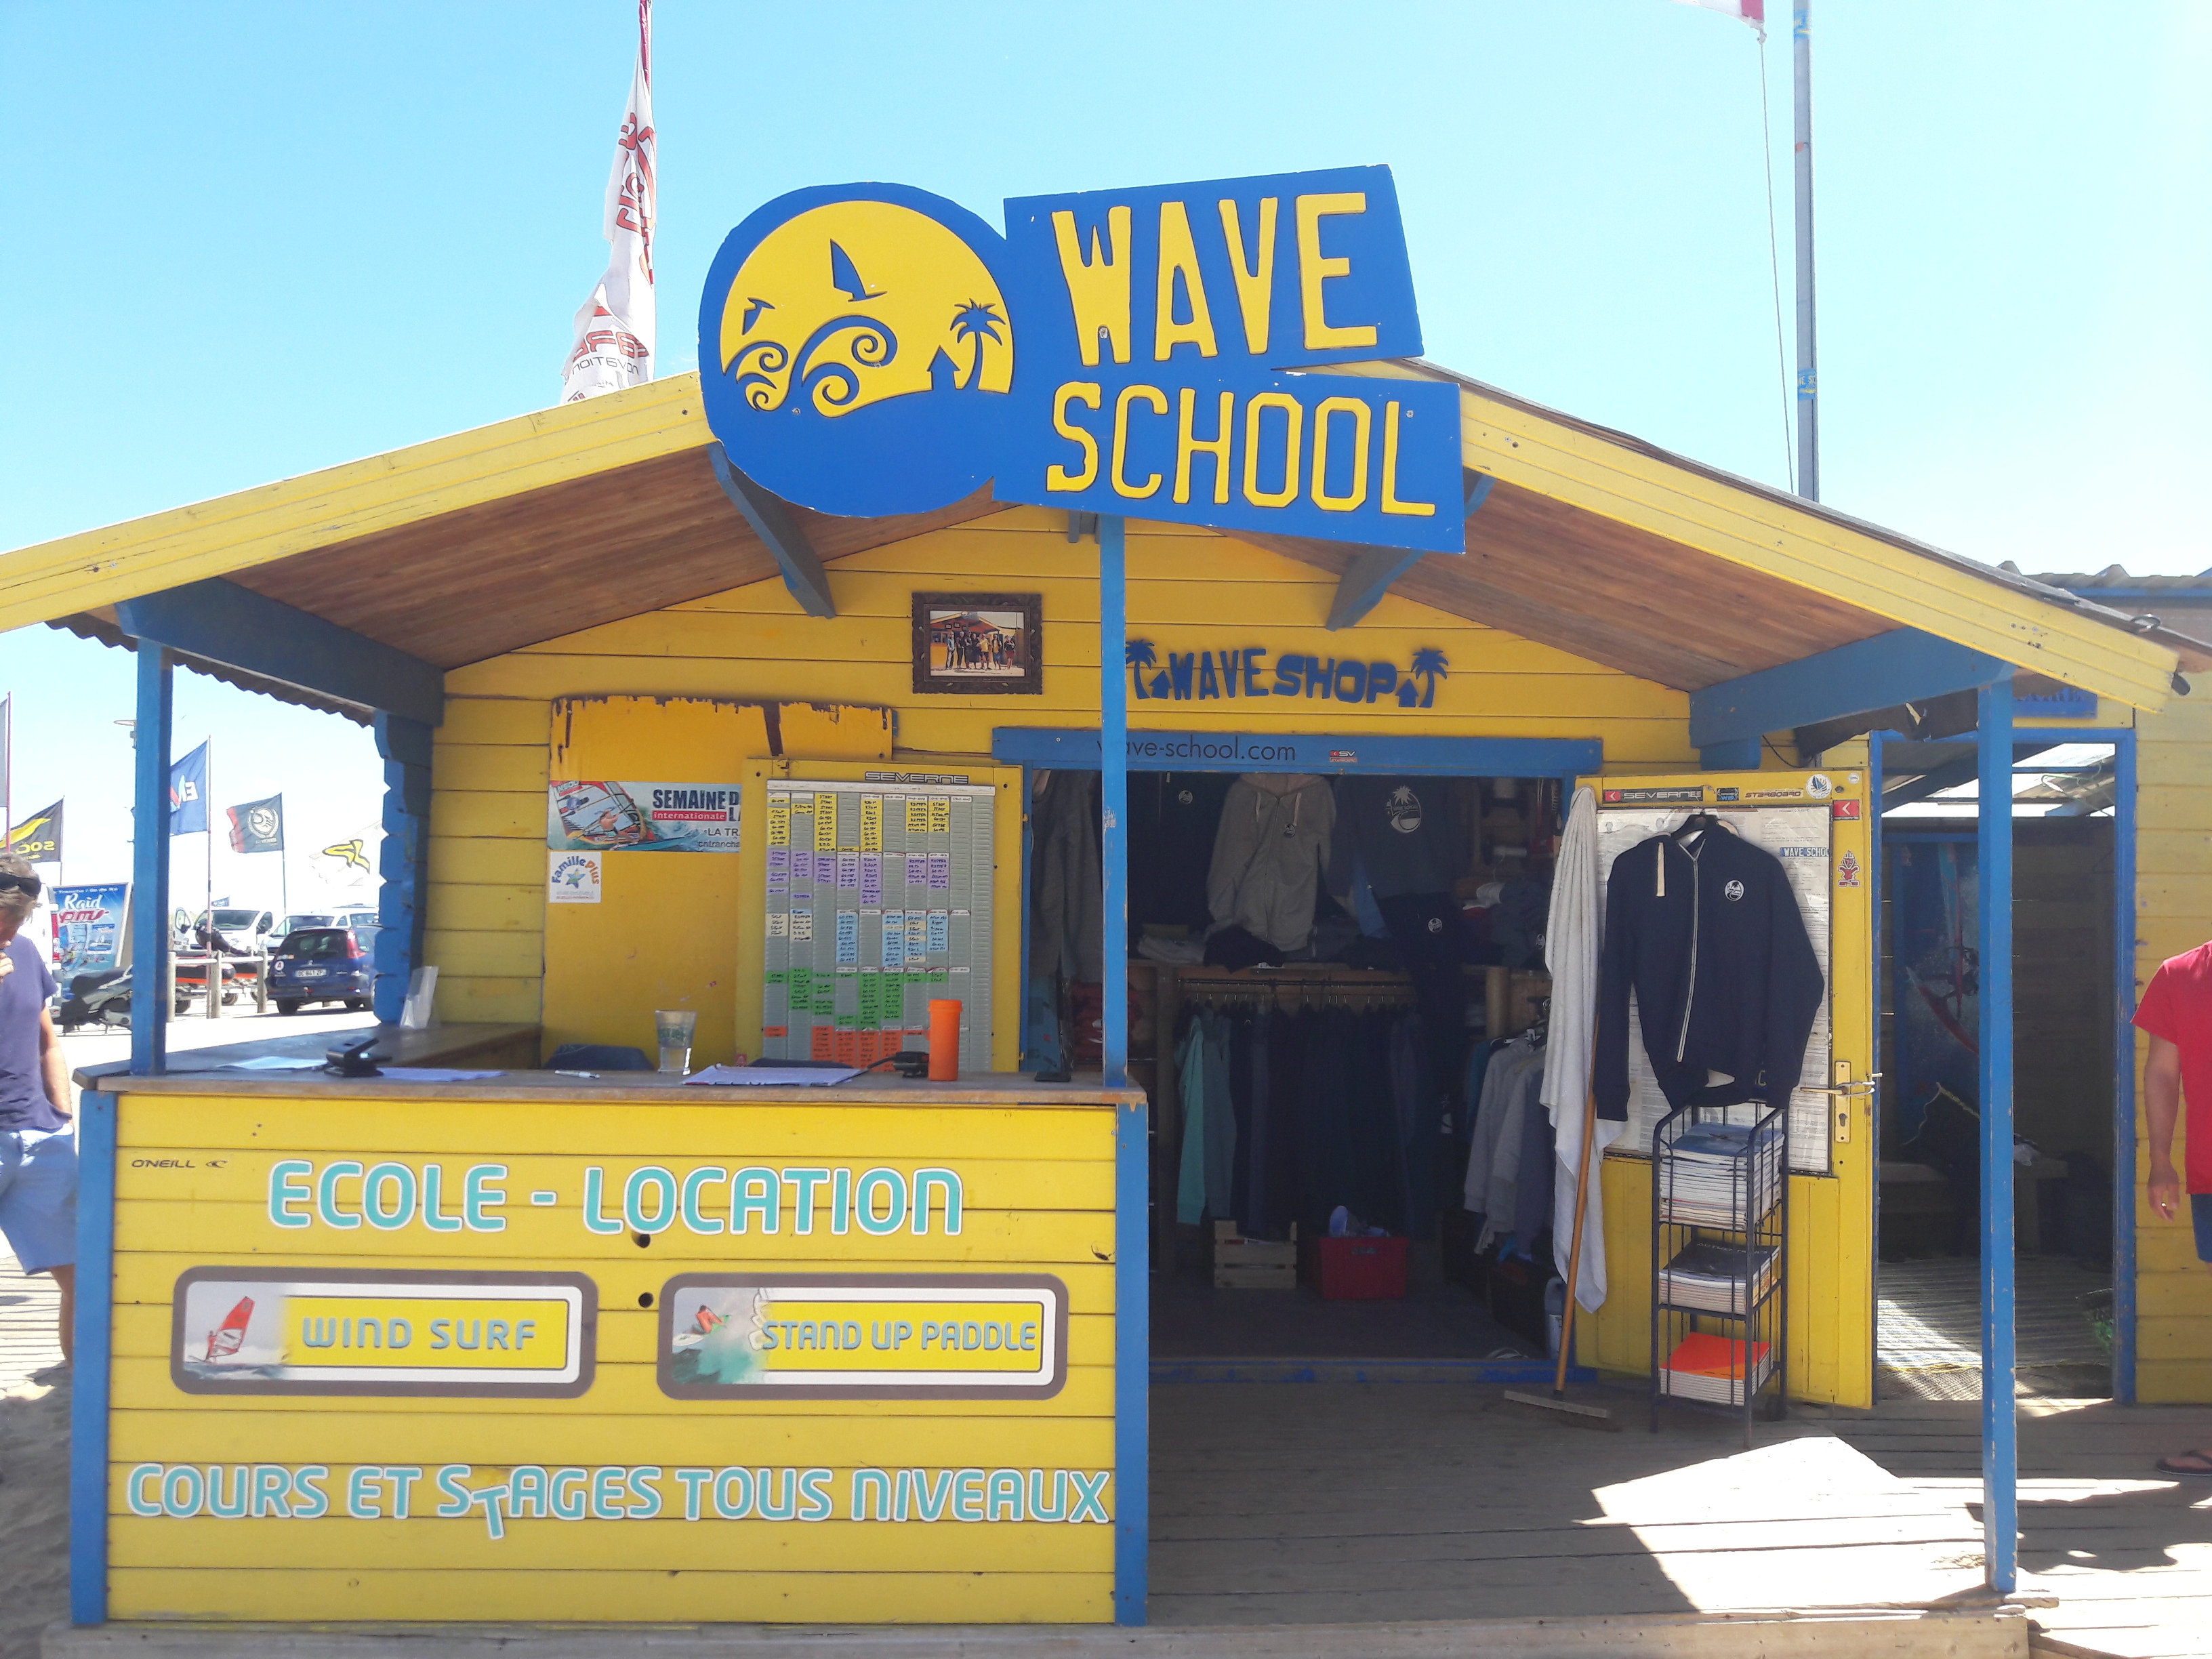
[
  {"x": 1709, "y": 936},
  {"x": 1268, "y": 854}
]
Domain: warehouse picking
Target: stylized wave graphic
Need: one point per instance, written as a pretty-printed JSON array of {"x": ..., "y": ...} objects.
[
  {"x": 830, "y": 384},
  {"x": 755, "y": 368}
]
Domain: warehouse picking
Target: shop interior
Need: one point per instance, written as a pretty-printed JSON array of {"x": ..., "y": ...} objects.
[
  {"x": 2064, "y": 967},
  {"x": 1321, "y": 1091}
]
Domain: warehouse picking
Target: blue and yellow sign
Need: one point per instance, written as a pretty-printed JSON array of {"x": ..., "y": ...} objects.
[{"x": 871, "y": 349}]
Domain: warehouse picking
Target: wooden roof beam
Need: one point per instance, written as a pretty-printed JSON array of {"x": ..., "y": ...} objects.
[
  {"x": 1362, "y": 587},
  {"x": 779, "y": 532},
  {"x": 1729, "y": 720},
  {"x": 232, "y": 625}
]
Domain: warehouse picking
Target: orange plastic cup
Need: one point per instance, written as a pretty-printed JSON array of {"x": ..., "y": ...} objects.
[{"x": 944, "y": 1040}]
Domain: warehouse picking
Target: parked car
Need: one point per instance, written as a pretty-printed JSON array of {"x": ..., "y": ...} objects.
[
  {"x": 293, "y": 924},
  {"x": 323, "y": 964}
]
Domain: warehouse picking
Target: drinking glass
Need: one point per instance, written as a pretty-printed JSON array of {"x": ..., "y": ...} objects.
[{"x": 675, "y": 1027}]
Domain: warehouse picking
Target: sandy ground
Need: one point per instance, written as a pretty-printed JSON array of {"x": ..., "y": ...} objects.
[
  {"x": 33, "y": 1463},
  {"x": 34, "y": 1385}
]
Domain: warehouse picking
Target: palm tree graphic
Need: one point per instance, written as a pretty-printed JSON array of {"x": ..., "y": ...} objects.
[
  {"x": 979, "y": 322},
  {"x": 1137, "y": 654},
  {"x": 1429, "y": 665}
]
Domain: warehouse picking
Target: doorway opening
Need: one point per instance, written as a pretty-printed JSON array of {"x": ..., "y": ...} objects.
[
  {"x": 2065, "y": 963},
  {"x": 1325, "y": 973}
]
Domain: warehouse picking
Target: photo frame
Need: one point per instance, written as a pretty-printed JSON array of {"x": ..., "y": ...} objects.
[{"x": 969, "y": 645}]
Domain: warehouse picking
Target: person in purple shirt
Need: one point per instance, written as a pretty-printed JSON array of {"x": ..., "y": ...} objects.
[{"x": 37, "y": 1149}]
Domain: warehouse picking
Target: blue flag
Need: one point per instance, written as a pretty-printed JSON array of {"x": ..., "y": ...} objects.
[{"x": 188, "y": 785}]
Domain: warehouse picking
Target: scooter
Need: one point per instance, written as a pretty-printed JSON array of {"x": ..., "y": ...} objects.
[{"x": 103, "y": 998}]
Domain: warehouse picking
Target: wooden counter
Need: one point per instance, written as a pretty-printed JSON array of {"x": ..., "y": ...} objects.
[
  {"x": 472, "y": 1046},
  {"x": 609, "y": 1349}
]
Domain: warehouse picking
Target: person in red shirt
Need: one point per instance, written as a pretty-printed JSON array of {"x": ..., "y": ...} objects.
[{"x": 2177, "y": 1011}]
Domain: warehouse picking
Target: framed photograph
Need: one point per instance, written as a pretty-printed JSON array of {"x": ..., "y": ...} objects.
[{"x": 971, "y": 644}]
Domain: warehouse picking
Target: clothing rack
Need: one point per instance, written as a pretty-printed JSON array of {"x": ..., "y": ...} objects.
[{"x": 1511, "y": 998}]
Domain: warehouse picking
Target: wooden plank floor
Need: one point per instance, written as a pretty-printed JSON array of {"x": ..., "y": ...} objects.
[
  {"x": 1350, "y": 1502},
  {"x": 1342, "y": 1502}
]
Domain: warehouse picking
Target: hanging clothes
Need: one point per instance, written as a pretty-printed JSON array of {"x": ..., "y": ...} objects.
[
  {"x": 1273, "y": 843},
  {"x": 1067, "y": 933},
  {"x": 1190, "y": 1081},
  {"x": 1571, "y": 951},
  {"x": 1205, "y": 1169},
  {"x": 1709, "y": 936},
  {"x": 1510, "y": 1085}
]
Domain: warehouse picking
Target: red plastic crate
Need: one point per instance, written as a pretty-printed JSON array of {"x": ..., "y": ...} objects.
[{"x": 1359, "y": 1269}]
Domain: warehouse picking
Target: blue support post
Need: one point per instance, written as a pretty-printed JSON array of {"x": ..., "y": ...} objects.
[
  {"x": 1114, "y": 789},
  {"x": 405, "y": 746},
  {"x": 90, "y": 1375},
  {"x": 2000, "y": 1415},
  {"x": 150, "y": 866},
  {"x": 1132, "y": 1182},
  {"x": 1737, "y": 755}
]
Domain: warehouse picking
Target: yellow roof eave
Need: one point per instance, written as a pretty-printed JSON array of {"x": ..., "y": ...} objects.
[
  {"x": 274, "y": 521},
  {"x": 1812, "y": 549}
]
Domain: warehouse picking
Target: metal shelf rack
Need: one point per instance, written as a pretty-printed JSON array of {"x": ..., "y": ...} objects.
[{"x": 1719, "y": 1235}]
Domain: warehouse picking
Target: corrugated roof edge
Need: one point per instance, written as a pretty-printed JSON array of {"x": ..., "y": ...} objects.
[
  {"x": 87, "y": 626},
  {"x": 2197, "y": 652},
  {"x": 2119, "y": 577}
]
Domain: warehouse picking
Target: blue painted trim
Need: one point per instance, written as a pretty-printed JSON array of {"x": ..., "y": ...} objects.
[
  {"x": 90, "y": 1376},
  {"x": 2000, "y": 1410},
  {"x": 2124, "y": 1068},
  {"x": 1132, "y": 1351},
  {"x": 1903, "y": 666},
  {"x": 240, "y": 629},
  {"x": 1076, "y": 749},
  {"x": 1368, "y": 576},
  {"x": 403, "y": 862},
  {"x": 779, "y": 532},
  {"x": 1742, "y": 755},
  {"x": 1508, "y": 1373},
  {"x": 149, "y": 862}
]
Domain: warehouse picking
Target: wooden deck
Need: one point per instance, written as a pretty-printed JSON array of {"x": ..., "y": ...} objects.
[{"x": 1329, "y": 1503}]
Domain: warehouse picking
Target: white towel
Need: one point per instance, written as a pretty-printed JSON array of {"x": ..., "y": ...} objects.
[{"x": 1571, "y": 951}]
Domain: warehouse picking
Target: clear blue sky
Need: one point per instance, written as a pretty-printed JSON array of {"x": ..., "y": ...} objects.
[{"x": 252, "y": 240}]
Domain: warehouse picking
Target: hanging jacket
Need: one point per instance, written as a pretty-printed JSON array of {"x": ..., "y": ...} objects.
[
  {"x": 1066, "y": 915},
  {"x": 1709, "y": 939},
  {"x": 1268, "y": 854}
]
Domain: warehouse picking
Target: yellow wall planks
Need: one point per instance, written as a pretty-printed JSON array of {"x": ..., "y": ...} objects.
[{"x": 901, "y": 1501}]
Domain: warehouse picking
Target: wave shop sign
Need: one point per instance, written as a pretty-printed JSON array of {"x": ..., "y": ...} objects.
[{"x": 873, "y": 349}]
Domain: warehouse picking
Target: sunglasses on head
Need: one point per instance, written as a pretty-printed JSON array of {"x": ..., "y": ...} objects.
[{"x": 13, "y": 884}]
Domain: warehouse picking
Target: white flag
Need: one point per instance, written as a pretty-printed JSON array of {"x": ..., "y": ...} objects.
[{"x": 615, "y": 327}]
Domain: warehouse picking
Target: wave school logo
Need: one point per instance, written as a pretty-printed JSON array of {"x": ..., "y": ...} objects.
[
  {"x": 837, "y": 325},
  {"x": 1403, "y": 809},
  {"x": 874, "y": 350}
]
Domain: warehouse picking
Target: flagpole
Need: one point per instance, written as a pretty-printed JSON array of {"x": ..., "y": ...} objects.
[
  {"x": 283, "y": 867},
  {"x": 1809, "y": 375}
]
